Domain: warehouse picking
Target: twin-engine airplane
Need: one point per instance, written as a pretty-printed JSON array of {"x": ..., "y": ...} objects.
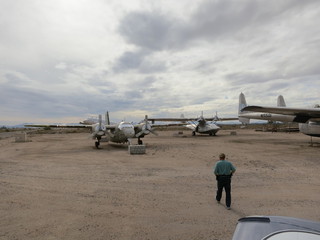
[
  {"x": 197, "y": 125},
  {"x": 122, "y": 132},
  {"x": 308, "y": 118}
]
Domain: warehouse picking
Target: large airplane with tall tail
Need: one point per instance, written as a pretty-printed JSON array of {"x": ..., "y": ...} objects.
[{"x": 308, "y": 118}]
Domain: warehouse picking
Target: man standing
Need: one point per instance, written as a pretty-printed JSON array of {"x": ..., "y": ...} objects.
[{"x": 223, "y": 171}]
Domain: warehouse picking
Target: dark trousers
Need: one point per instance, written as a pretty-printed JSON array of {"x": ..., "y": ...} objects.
[{"x": 224, "y": 182}]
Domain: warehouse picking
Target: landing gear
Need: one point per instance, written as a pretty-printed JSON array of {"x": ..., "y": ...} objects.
[
  {"x": 140, "y": 141},
  {"x": 193, "y": 133},
  {"x": 97, "y": 143}
]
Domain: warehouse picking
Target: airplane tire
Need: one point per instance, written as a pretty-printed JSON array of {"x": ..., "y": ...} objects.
[
  {"x": 193, "y": 133},
  {"x": 97, "y": 144}
]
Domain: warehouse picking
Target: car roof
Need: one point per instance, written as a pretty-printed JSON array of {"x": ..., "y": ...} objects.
[{"x": 262, "y": 227}]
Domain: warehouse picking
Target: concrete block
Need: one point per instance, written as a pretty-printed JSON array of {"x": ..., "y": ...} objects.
[
  {"x": 21, "y": 137},
  {"x": 137, "y": 149}
]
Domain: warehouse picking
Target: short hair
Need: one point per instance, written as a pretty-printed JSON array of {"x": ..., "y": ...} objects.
[{"x": 222, "y": 155}]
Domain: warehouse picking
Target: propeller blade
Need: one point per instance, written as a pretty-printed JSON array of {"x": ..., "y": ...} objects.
[
  {"x": 154, "y": 132},
  {"x": 146, "y": 128},
  {"x": 216, "y": 118},
  {"x": 100, "y": 122},
  {"x": 139, "y": 134}
]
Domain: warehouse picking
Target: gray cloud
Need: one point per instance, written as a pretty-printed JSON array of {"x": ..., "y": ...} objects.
[
  {"x": 148, "y": 30},
  {"x": 130, "y": 60},
  {"x": 70, "y": 58},
  {"x": 140, "y": 60},
  {"x": 211, "y": 20}
]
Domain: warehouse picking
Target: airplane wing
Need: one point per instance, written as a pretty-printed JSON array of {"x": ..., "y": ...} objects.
[
  {"x": 310, "y": 112},
  {"x": 57, "y": 126},
  {"x": 301, "y": 113},
  {"x": 220, "y": 119},
  {"x": 109, "y": 127},
  {"x": 171, "y": 119},
  {"x": 168, "y": 125},
  {"x": 189, "y": 119}
]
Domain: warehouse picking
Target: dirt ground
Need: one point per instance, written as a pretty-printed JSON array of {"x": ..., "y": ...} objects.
[{"x": 58, "y": 186}]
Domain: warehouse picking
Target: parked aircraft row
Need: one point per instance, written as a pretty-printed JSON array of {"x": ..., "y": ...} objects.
[{"x": 122, "y": 132}]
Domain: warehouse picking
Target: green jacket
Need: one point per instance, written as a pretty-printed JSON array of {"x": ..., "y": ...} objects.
[{"x": 224, "y": 167}]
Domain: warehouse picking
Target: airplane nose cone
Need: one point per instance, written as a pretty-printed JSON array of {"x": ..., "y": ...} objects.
[{"x": 129, "y": 132}]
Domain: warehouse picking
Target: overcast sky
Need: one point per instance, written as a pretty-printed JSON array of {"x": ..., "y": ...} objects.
[{"x": 62, "y": 60}]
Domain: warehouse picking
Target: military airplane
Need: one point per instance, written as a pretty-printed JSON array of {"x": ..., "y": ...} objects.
[
  {"x": 122, "y": 132},
  {"x": 197, "y": 125},
  {"x": 245, "y": 116},
  {"x": 308, "y": 118}
]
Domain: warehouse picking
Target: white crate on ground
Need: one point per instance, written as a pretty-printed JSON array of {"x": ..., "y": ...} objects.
[{"x": 137, "y": 149}]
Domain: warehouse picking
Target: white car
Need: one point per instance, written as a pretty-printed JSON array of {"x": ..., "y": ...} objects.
[{"x": 276, "y": 228}]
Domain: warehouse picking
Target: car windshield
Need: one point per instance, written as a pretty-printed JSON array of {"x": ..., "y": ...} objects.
[{"x": 289, "y": 235}]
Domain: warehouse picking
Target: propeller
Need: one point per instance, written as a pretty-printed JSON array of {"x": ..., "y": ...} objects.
[
  {"x": 216, "y": 118},
  {"x": 99, "y": 129},
  {"x": 146, "y": 128}
]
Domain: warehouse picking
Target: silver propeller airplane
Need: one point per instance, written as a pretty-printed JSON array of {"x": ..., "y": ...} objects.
[
  {"x": 197, "y": 125},
  {"x": 122, "y": 132},
  {"x": 308, "y": 118}
]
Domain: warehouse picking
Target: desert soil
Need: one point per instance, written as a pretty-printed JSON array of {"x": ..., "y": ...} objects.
[{"x": 58, "y": 186}]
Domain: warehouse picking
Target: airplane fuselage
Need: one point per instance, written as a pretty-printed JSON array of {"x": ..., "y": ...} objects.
[
  {"x": 207, "y": 128},
  {"x": 122, "y": 133},
  {"x": 311, "y": 128},
  {"x": 267, "y": 116}
]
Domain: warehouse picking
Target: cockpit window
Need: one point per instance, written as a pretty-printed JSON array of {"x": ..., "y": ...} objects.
[{"x": 125, "y": 125}]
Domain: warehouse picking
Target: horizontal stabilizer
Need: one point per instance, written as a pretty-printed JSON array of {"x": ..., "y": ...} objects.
[{"x": 244, "y": 120}]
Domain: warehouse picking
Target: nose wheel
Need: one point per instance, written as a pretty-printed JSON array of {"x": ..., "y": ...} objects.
[{"x": 97, "y": 143}]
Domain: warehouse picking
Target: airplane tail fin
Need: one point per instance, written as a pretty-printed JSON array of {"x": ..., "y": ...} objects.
[
  {"x": 242, "y": 104},
  {"x": 107, "y": 118},
  {"x": 281, "y": 102}
]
